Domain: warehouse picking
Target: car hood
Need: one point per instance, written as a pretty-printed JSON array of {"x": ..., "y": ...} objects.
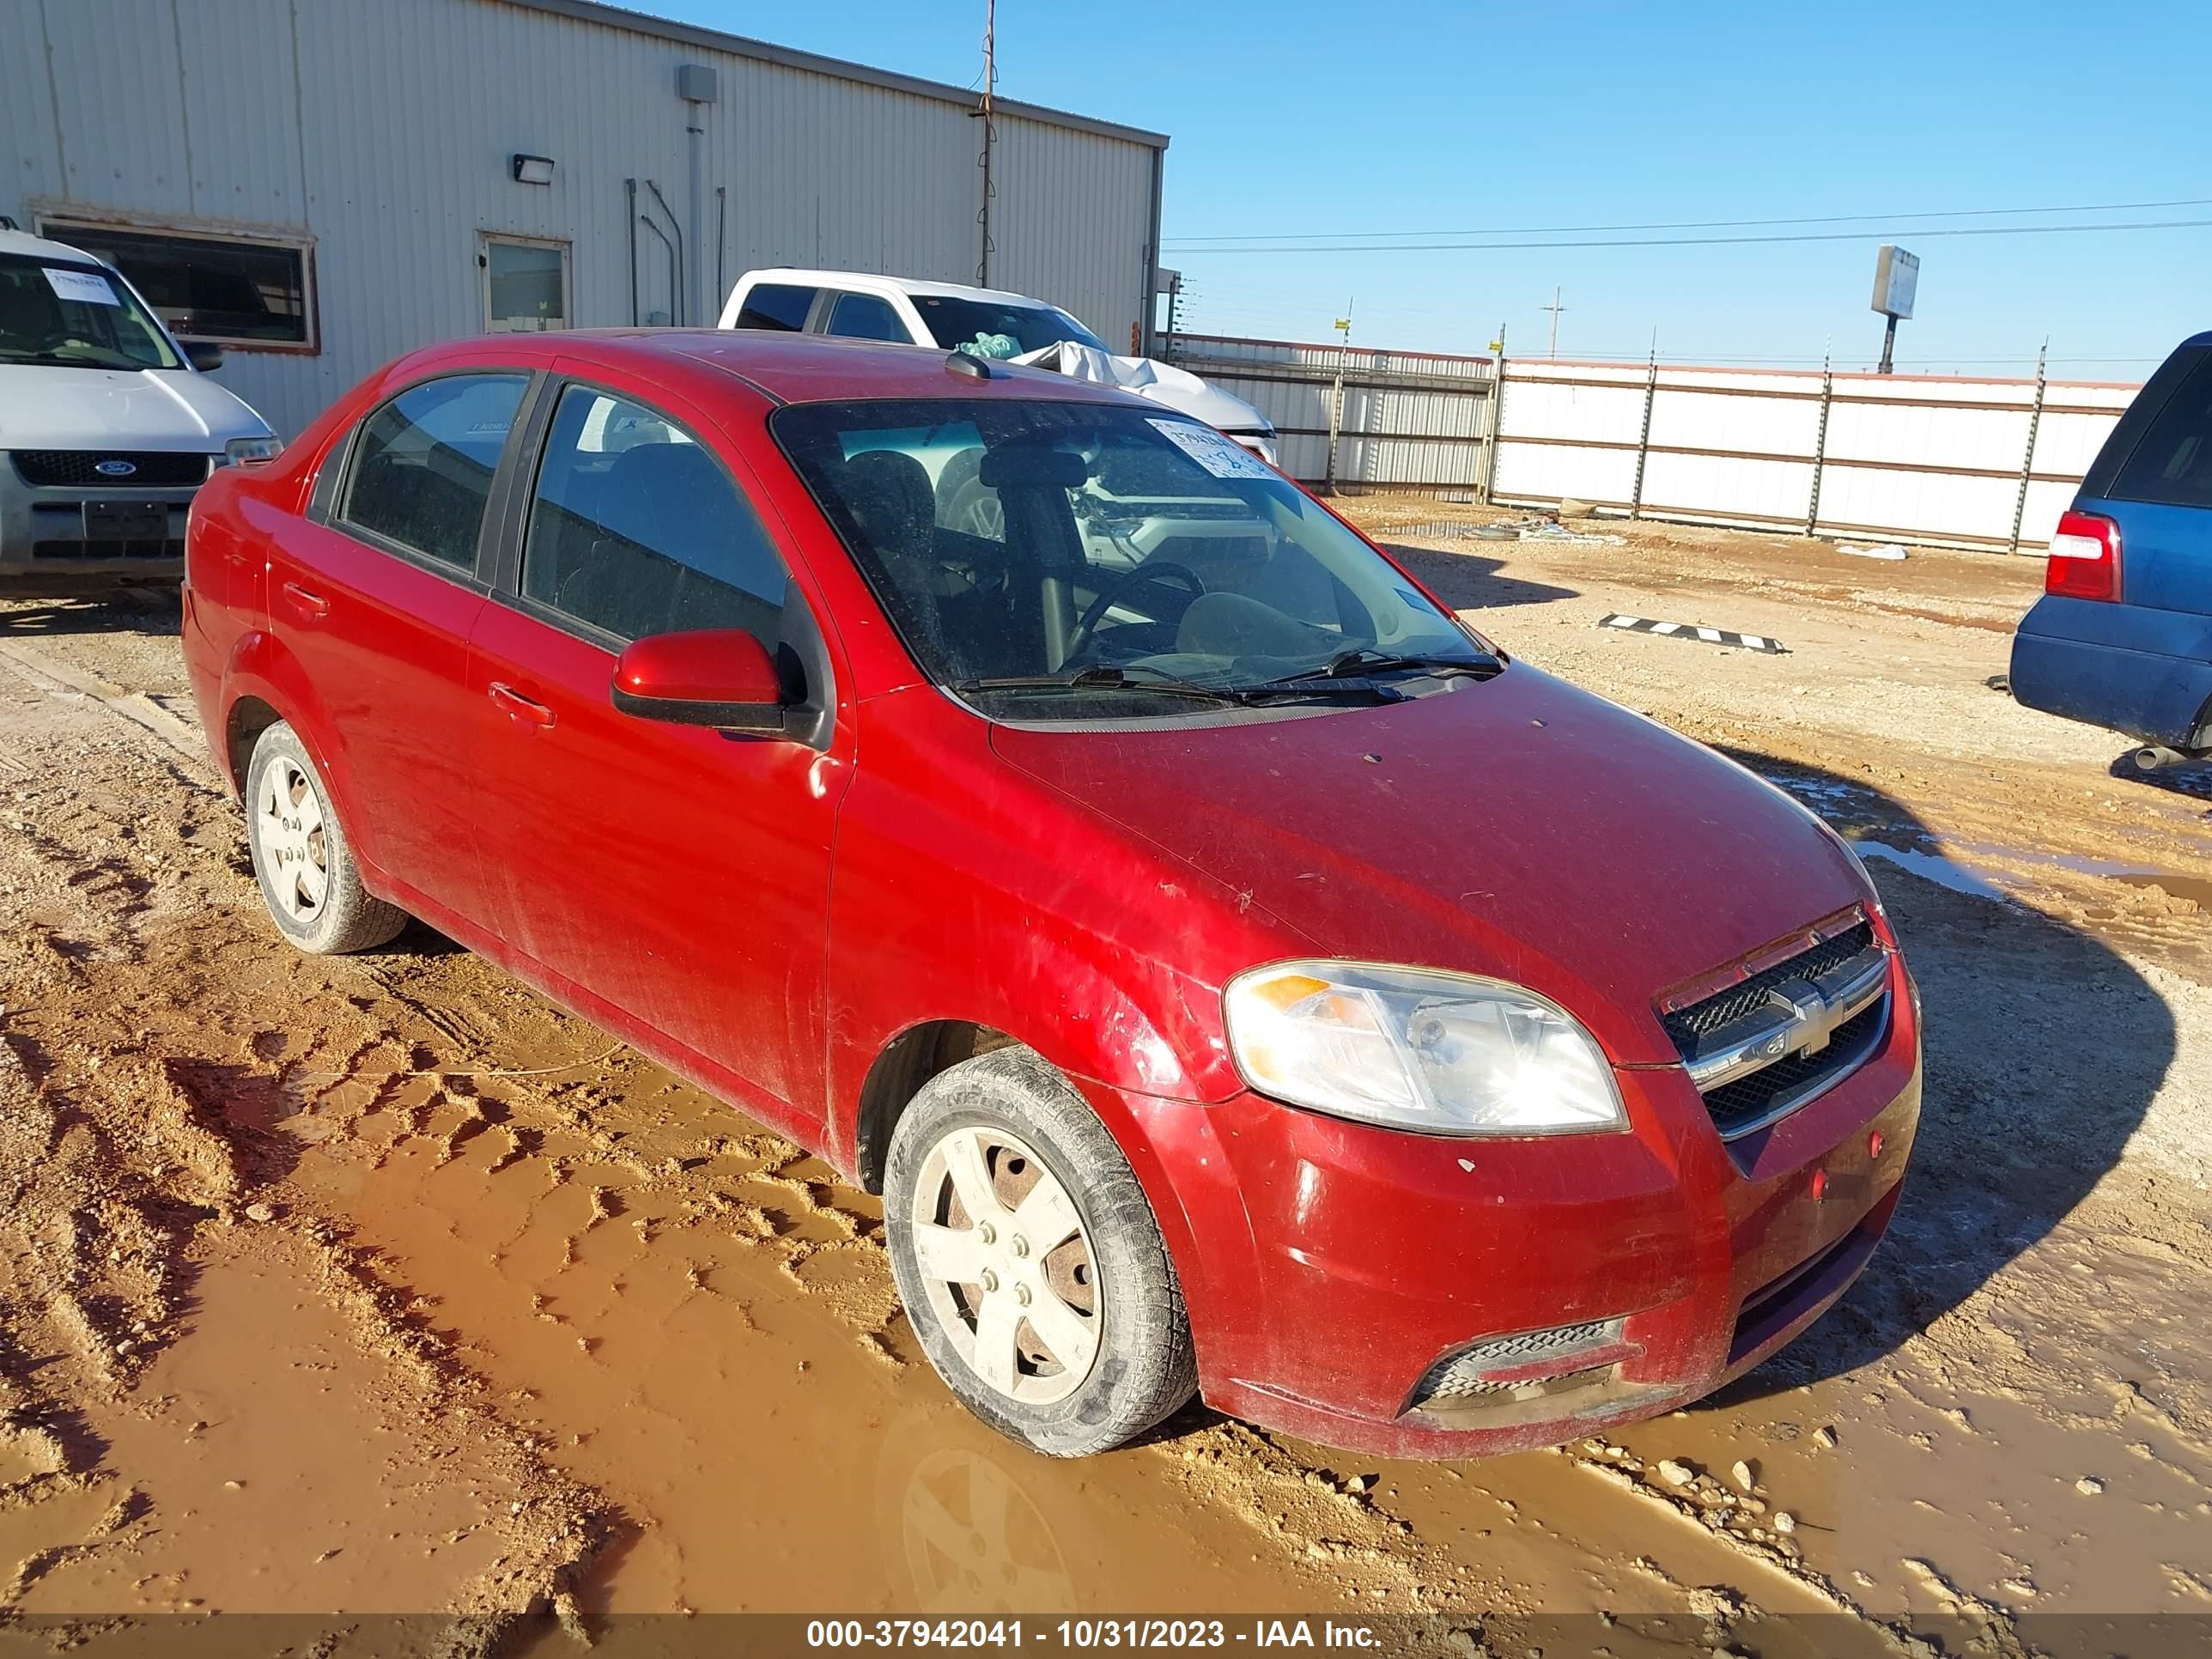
[
  {"x": 1517, "y": 826},
  {"x": 43, "y": 407}
]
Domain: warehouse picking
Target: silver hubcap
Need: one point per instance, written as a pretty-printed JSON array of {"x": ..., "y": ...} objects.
[
  {"x": 288, "y": 828},
  {"x": 1007, "y": 1264}
]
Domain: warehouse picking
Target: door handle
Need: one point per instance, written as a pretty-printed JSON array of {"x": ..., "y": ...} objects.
[
  {"x": 521, "y": 708},
  {"x": 305, "y": 606}
]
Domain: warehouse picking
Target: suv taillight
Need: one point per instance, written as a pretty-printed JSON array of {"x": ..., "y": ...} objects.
[{"x": 2085, "y": 558}]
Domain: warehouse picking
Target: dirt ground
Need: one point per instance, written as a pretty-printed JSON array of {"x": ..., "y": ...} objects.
[{"x": 377, "y": 1285}]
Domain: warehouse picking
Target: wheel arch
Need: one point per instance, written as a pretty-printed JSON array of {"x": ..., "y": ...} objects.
[{"x": 897, "y": 1074}]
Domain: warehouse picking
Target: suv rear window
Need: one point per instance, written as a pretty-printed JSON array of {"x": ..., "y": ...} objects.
[{"x": 2172, "y": 463}]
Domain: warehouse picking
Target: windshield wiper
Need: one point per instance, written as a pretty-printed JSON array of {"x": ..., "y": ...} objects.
[
  {"x": 1371, "y": 660},
  {"x": 1102, "y": 676}
]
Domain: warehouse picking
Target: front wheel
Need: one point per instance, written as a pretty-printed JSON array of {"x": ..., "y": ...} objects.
[
  {"x": 1030, "y": 1262},
  {"x": 308, "y": 877}
]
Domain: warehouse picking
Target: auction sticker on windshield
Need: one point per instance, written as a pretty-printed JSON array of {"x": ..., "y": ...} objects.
[
  {"x": 85, "y": 287},
  {"x": 1217, "y": 454}
]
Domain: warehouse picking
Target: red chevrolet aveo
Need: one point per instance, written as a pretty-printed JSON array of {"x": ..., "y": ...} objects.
[{"x": 1235, "y": 974}]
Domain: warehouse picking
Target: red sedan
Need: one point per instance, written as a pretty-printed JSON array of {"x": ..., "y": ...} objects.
[{"x": 1235, "y": 975}]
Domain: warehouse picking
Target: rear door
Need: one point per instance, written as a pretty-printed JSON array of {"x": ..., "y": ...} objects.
[
  {"x": 670, "y": 880},
  {"x": 375, "y": 593}
]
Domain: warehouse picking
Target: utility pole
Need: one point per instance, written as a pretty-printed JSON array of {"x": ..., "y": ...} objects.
[
  {"x": 1555, "y": 308},
  {"x": 990, "y": 135}
]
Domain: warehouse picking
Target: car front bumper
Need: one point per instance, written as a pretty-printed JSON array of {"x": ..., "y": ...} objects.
[
  {"x": 1331, "y": 1268},
  {"x": 49, "y": 544}
]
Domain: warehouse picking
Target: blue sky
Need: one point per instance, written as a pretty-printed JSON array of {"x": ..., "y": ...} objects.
[{"x": 1294, "y": 118}]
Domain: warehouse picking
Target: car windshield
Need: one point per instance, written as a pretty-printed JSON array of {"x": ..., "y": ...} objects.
[
  {"x": 1079, "y": 561},
  {"x": 991, "y": 328},
  {"x": 74, "y": 316}
]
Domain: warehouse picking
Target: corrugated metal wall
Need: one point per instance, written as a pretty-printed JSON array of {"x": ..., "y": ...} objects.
[
  {"x": 1917, "y": 457},
  {"x": 382, "y": 129},
  {"x": 1411, "y": 420},
  {"x": 1914, "y": 457}
]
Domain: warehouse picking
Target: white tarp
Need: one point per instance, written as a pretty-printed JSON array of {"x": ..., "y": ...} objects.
[{"x": 1164, "y": 383}]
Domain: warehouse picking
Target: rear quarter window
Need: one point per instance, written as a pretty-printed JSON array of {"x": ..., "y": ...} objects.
[
  {"x": 2171, "y": 463},
  {"x": 778, "y": 305}
]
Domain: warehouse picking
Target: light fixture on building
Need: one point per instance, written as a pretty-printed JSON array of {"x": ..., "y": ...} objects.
[{"x": 533, "y": 169}]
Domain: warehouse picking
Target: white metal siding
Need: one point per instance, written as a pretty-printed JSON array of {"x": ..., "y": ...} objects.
[{"x": 382, "y": 129}]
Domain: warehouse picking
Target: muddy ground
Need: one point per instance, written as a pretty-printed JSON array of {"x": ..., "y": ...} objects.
[{"x": 377, "y": 1285}]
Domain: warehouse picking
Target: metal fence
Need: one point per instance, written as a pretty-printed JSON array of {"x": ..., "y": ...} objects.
[
  {"x": 1930, "y": 458},
  {"x": 1356, "y": 417}
]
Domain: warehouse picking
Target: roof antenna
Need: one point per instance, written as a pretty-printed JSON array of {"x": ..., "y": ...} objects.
[{"x": 967, "y": 363}]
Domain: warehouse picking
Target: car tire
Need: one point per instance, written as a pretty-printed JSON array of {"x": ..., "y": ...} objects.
[
  {"x": 301, "y": 857},
  {"x": 973, "y": 1168}
]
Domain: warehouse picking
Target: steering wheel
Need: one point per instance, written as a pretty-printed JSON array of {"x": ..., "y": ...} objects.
[{"x": 1140, "y": 575}]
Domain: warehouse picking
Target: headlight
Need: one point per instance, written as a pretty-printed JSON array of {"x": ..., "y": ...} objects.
[
  {"x": 1416, "y": 1048},
  {"x": 252, "y": 451}
]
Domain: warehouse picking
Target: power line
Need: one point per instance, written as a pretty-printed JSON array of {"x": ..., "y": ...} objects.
[
  {"x": 1707, "y": 241},
  {"x": 1696, "y": 224}
]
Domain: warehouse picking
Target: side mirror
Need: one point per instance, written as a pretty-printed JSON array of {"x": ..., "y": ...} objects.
[
  {"x": 719, "y": 677},
  {"x": 202, "y": 355}
]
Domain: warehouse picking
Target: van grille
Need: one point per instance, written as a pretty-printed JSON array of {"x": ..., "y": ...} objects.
[{"x": 48, "y": 469}]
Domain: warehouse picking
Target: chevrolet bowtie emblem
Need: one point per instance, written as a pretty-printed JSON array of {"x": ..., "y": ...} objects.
[{"x": 1813, "y": 1021}]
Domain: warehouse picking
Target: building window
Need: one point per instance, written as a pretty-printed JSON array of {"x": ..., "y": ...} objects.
[
  {"x": 526, "y": 284},
  {"x": 250, "y": 292}
]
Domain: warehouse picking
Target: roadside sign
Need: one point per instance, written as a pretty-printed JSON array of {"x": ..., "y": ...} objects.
[{"x": 1896, "y": 276}]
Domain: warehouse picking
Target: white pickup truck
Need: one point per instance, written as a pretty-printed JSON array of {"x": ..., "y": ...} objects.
[{"x": 985, "y": 322}]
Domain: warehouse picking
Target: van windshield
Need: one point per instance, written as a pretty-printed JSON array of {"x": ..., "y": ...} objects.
[
  {"x": 1054, "y": 560},
  {"x": 74, "y": 316},
  {"x": 988, "y": 328}
]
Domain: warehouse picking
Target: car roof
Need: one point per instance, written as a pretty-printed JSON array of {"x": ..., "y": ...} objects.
[
  {"x": 792, "y": 369},
  {"x": 39, "y": 247},
  {"x": 907, "y": 285}
]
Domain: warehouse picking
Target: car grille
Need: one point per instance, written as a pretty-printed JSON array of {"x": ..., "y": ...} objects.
[
  {"x": 1739, "y": 1106},
  {"x": 47, "y": 469},
  {"x": 1686, "y": 1024},
  {"x": 1773, "y": 1072}
]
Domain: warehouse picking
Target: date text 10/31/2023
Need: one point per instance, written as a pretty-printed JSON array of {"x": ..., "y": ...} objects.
[{"x": 1088, "y": 1633}]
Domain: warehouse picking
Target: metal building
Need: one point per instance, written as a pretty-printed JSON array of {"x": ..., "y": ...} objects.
[{"x": 318, "y": 186}]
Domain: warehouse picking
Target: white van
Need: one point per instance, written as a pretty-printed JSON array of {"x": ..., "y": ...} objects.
[
  {"x": 985, "y": 322},
  {"x": 107, "y": 426}
]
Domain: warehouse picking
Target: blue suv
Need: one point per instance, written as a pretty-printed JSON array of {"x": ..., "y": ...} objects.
[{"x": 2122, "y": 637}]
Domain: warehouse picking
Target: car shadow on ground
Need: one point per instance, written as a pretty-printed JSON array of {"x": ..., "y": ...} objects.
[
  {"x": 132, "y": 610},
  {"x": 2193, "y": 779},
  {"x": 2045, "y": 1049},
  {"x": 1467, "y": 580}
]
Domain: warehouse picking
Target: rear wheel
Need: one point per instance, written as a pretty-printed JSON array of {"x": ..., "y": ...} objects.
[
  {"x": 1030, "y": 1261},
  {"x": 307, "y": 870}
]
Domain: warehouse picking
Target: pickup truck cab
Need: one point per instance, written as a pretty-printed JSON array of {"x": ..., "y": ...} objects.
[
  {"x": 107, "y": 426},
  {"x": 2122, "y": 637},
  {"x": 986, "y": 323}
]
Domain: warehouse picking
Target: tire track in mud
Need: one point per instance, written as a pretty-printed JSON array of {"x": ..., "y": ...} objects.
[{"x": 653, "y": 1305}]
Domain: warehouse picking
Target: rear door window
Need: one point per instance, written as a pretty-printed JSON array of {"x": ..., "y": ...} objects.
[
  {"x": 2172, "y": 464},
  {"x": 422, "y": 465},
  {"x": 636, "y": 529},
  {"x": 777, "y": 306},
  {"x": 866, "y": 317}
]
